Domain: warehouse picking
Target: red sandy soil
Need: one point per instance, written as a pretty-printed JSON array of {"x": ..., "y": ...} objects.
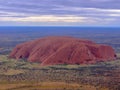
[{"x": 63, "y": 50}]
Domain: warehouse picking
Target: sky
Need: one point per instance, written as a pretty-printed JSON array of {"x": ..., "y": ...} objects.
[{"x": 59, "y": 12}]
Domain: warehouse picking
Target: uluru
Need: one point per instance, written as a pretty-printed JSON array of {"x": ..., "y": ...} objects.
[{"x": 63, "y": 50}]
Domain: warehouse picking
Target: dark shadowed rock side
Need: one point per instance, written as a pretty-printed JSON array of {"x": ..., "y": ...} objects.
[{"x": 63, "y": 50}]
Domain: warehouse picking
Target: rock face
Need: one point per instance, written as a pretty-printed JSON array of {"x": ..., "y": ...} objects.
[{"x": 63, "y": 50}]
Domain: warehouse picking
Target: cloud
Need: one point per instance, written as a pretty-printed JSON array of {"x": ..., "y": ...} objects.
[
  {"x": 66, "y": 19},
  {"x": 45, "y": 18},
  {"x": 101, "y": 1},
  {"x": 66, "y": 11}
]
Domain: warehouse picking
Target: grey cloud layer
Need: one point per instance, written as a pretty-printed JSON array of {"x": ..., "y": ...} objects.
[
  {"x": 53, "y": 6},
  {"x": 100, "y": 9}
]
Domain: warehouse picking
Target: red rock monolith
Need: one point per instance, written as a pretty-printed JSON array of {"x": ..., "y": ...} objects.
[{"x": 63, "y": 50}]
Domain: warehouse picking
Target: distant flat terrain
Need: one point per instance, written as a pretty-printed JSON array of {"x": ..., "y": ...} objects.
[{"x": 11, "y": 36}]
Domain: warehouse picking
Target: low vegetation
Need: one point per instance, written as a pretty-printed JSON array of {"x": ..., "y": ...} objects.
[{"x": 23, "y": 75}]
